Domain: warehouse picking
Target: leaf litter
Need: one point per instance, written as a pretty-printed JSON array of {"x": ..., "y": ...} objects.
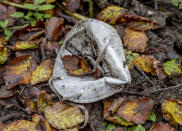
[{"x": 24, "y": 77}]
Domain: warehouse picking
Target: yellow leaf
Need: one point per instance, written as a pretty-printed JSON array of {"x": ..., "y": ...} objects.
[
  {"x": 25, "y": 45},
  {"x": 3, "y": 55},
  {"x": 3, "y": 42},
  {"x": 21, "y": 125},
  {"x": 63, "y": 116},
  {"x": 135, "y": 40},
  {"x": 172, "y": 111},
  {"x": 43, "y": 72},
  {"x": 111, "y": 14},
  {"x": 144, "y": 63}
]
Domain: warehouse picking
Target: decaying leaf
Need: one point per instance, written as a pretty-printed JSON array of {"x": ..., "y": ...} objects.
[
  {"x": 44, "y": 100},
  {"x": 74, "y": 5},
  {"x": 130, "y": 57},
  {"x": 43, "y": 72},
  {"x": 112, "y": 14},
  {"x": 144, "y": 63},
  {"x": 136, "y": 110},
  {"x": 172, "y": 111},
  {"x": 30, "y": 106},
  {"x": 19, "y": 71},
  {"x": 172, "y": 67},
  {"x": 116, "y": 15},
  {"x": 21, "y": 125},
  {"x": 135, "y": 40},
  {"x": 3, "y": 55},
  {"x": 54, "y": 28},
  {"x": 36, "y": 118},
  {"x": 5, "y": 93},
  {"x": 63, "y": 116},
  {"x": 25, "y": 45},
  {"x": 76, "y": 65},
  {"x": 3, "y": 41},
  {"x": 161, "y": 127}
]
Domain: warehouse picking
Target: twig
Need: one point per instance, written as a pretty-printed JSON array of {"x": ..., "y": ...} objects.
[
  {"x": 17, "y": 5},
  {"x": 75, "y": 15},
  {"x": 42, "y": 50},
  {"x": 91, "y": 10},
  {"x": 142, "y": 72},
  {"x": 168, "y": 88},
  {"x": 22, "y": 90},
  {"x": 15, "y": 27}
]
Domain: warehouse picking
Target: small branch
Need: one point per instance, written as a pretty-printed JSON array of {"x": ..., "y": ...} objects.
[
  {"x": 75, "y": 15},
  {"x": 17, "y": 5},
  {"x": 91, "y": 10}
]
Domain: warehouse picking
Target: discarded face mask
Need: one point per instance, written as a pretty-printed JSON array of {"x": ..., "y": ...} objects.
[{"x": 100, "y": 45}]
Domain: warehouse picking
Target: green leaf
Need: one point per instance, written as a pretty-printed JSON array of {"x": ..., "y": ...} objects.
[
  {"x": 8, "y": 33},
  {"x": 39, "y": 16},
  {"x": 4, "y": 23},
  {"x": 46, "y": 16},
  {"x": 138, "y": 127},
  {"x": 60, "y": 42},
  {"x": 172, "y": 67},
  {"x": 46, "y": 7},
  {"x": 18, "y": 15},
  {"x": 175, "y": 2},
  {"x": 110, "y": 127},
  {"x": 33, "y": 23},
  {"x": 152, "y": 117},
  {"x": 39, "y": 1},
  {"x": 30, "y": 6}
]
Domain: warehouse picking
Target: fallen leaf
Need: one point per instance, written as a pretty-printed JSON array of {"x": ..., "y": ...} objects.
[
  {"x": 21, "y": 125},
  {"x": 63, "y": 116},
  {"x": 172, "y": 67},
  {"x": 54, "y": 27},
  {"x": 74, "y": 5},
  {"x": 5, "y": 93},
  {"x": 25, "y": 45},
  {"x": 118, "y": 15},
  {"x": 76, "y": 65},
  {"x": 19, "y": 71},
  {"x": 3, "y": 55},
  {"x": 36, "y": 118},
  {"x": 43, "y": 72},
  {"x": 30, "y": 106},
  {"x": 112, "y": 14},
  {"x": 138, "y": 127},
  {"x": 172, "y": 111},
  {"x": 130, "y": 56},
  {"x": 135, "y": 40},
  {"x": 144, "y": 63},
  {"x": 136, "y": 110},
  {"x": 161, "y": 127},
  {"x": 44, "y": 100},
  {"x": 3, "y": 42}
]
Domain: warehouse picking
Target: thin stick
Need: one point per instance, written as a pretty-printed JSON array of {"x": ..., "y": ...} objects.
[
  {"x": 91, "y": 10},
  {"x": 142, "y": 72}
]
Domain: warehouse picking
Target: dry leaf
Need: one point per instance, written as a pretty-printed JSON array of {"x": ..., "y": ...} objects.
[
  {"x": 76, "y": 65},
  {"x": 135, "y": 40},
  {"x": 44, "y": 100},
  {"x": 21, "y": 125},
  {"x": 63, "y": 116},
  {"x": 161, "y": 127},
  {"x": 54, "y": 28},
  {"x": 117, "y": 15},
  {"x": 5, "y": 93},
  {"x": 25, "y": 45},
  {"x": 144, "y": 63},
  {"x": 3, "y": 55},
  {"x": 172, "y": 111},
  {"x": 136, "y": 110},
  {"x": 19, "y": 71},
  {"x": 43, "y": 72}
]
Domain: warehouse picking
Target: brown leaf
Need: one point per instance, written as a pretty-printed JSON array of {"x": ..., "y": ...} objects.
[
  {"x": 5, "y": 93},
  {"x": 54, "y": 28},
  {"x": 136, "y": 110},
  {"x": 43, "y": 72},
  {"x": 19, "y": 71},
  {"x": 76, "y": 65},
  {"x": 74, "y": 5},
  {"x": 161, "y": 127},
  {"x": 135, "y": 40},
  {"x": 3, "y": 41}
]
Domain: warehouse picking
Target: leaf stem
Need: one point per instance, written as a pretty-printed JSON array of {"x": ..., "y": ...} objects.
[
  {"x": 75, "y": 15},
  {"x": 91, "y": 10}
]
